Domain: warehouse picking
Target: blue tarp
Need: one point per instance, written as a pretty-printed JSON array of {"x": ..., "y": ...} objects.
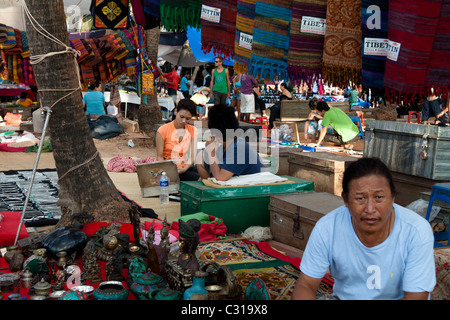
[{"x": 195, "y": 42}]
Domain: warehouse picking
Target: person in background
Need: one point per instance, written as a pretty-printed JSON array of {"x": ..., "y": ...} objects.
[
  {"x": 286, "y": 90},
  {"x": 185, "y": 85},
  {"x": 177, "y": 141},
  {"x": 220, "y": 84},
  {"x": 171, "y": 81},
  {"x": 206, "y": 78},
  {"x": 431, "y": 107},
  {"x": 275, "y": 111},
  {"x": 225, "y": 154},
  {"x": 247, "y": 106},
  {"x": 94, "y": 100},
  {"x": 24, "y": 101},
  {"x": 353, "y": 97},
  {"x": 442, "y": 117},
  {"x": 312, "y": 124},
  {"x": 236, "y": 97},
  {"x": 374, "y": 248},
  {"x": 259, "y": 103},
  {"x": 346, "y": 130}
]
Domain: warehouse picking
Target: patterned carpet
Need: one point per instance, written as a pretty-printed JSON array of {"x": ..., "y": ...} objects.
[{"x": 250, "y": 260}]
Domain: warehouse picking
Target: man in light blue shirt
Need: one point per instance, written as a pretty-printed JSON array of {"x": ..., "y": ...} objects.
[{"x": 373, "y": 248}]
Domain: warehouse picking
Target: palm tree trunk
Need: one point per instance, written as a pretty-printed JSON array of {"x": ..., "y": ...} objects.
[
  {"x": 84, "y": 184},
  {"x": 149, "y": 113}
]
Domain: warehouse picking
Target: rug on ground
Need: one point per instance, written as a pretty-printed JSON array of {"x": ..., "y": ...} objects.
[{"x": 250, "y": 260}]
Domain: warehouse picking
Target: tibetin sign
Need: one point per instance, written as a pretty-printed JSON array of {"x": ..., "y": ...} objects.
[
  {"x": 210, "y": 14},
  {"x": 393, "y": 50},
  {"x": 245, "y": 40},
  {"x": 313, "y": 25},
  {"x": 375, "y": 47}
]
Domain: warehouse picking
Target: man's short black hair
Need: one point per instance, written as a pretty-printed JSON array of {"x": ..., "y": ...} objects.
[
  {"x": 313, "y": 103},
  {"x": 189, "y": 105},
  {"x": 322, "y": 106}
]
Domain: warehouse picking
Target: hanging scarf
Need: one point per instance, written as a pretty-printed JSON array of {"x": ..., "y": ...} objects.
[
  {"x": 271, "y": 40},
  {"x": 110, "y": 14},
  {"x": 245, "y": 20},
  {"x": 342, "y": 45},
  {"x": 219, "y": 36},
  {"x": 306, "y": 46},
  {"x": 178, "y": 15},
  {"x": 152, "y": 7},
  {"x": 413, "y": 24},
  {"x": 25, "y": 47},
  {"x": 17, "y": 49},
  {"x": 373, "y": 61},
  {"x": 438, "y": 72}
]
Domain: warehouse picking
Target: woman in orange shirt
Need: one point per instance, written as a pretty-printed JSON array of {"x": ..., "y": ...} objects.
[{"x": 177, "y": 141}]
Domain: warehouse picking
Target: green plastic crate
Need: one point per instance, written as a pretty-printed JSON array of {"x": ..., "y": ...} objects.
[{"x": 239, "y": 207}]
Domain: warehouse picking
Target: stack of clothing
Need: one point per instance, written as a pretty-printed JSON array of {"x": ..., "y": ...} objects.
[
  {"x": 105, "y": 56},
  {"x": 219, "y": 36},
  {"x": 245, "y": 20},
  {"x": 306, "y": 48},
  {"x": 271, "y": 40},
  {"x": 342, "y": 62}
]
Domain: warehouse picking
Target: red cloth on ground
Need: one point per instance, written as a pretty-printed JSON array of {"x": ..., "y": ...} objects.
[
  {"x": 208, "y": 231},
  {"x": 9, "y": 226}
]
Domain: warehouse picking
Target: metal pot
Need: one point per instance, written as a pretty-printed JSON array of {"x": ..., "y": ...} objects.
[{"x": 42, "y": 288}]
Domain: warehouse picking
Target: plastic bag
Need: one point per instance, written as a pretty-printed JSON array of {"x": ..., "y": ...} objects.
[{"x": 420, "y": 206}]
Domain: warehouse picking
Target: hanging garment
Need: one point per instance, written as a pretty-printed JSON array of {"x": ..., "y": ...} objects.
[
  {"x": 306, "y": 40},
  {"x": 438, "y": 72},
  {"x": 374, "y": 32},
  {"x": 218, "y": 32},
  {"x": 142, "y": 18},
  {"x": 412, "y": 28},
  {"x": 178, "y": 15},
  {"x": 152, "y": 7},
  {"x": 10, "y": 41},
  {"x": 342, "y": 45},
  {"x": 110, "y": 14},
  {"x": 271, "y": 40},
  {"x": 245, "y": 20}
]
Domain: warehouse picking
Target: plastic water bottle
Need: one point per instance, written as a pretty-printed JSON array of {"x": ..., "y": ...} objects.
[{"x": 164, "y": 189}]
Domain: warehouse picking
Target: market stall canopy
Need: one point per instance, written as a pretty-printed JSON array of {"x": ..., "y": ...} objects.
[{"x": 195, "y": 41}]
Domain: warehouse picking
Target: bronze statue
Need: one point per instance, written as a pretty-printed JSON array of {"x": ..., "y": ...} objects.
[{"x": 188, "y": 241}]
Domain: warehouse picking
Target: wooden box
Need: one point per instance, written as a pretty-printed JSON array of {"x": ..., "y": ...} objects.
[
  {"x": 410, "y": 148},
  {"x": 325, "y": 169},
  {"x": 292, "y": 217}
]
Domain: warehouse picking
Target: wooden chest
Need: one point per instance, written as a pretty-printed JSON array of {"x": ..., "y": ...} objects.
[
  {"x": 325, "y": 169},
  {"x": 292, "y": 217}
]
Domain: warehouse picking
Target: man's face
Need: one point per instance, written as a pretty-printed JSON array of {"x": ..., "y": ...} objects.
[{"x": 370, "y": 202}]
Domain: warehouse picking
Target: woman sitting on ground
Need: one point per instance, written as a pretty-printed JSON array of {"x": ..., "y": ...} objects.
[
  {"x": 177, "y": 140},
  {"x": 226, "y": 154},
  {"x": 24, "y": 101},
  {"x": 94, "y": 100}
]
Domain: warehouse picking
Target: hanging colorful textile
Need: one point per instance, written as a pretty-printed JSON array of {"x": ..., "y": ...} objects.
[
  {"x": 306, "y": 40},
  {"x": 130, "y": 59},
  {"x": 94, "y": 55},
  {"x": 271, "y": 40},
  {"x": 3, "y": 33},
  {"x": 218, "y": 24},
  {"x": 412, "y": 28},
  {"x": 374, "y": 19},
  {"x": 110, "y": 14},
  {"x": 178, "y": 15},
  {"x": 245, "y": 20},
  {"x": 342, "y": 46},
  {"x": 142, "y": 18},
  {"x": 25, "y": 47},
  {"x": 438, "y": 72}
]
